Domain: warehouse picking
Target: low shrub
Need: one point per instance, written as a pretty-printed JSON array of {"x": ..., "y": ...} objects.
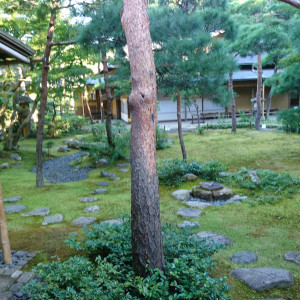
[
  {"x": 106, "y": 271},
  {"x": 290, "y": 119},
  {"x": 171, "y": 171},
  {"x": 161, "y": 138}
]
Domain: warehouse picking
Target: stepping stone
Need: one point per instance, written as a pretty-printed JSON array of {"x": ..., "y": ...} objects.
[
  {"x": 102, "y": 162},
  {"x": 5, "y": 283},
  {"x": 189, "y": 212},
  {"x": 123, "y": 170},
  {"x": 113, "y": 222},
  {"x": 88, "y": 199},
  {"x": 6, "y": 296},
  {"x": 100, "y": 191},
  {"x": 107, "y": 174},
  {"x": 198, "y": 204},
  {"x": 15, "y": 157},
  {"x": 41, "y": 211},
  {"x": 53, "y": 219},
  {"x": 212, "y": 237},
  {"x": 4, "y": 166},
  {"x": 182, "y": 195},
  {"x": 188, "y": 224},
  {"x": 243, "y": 257},
  {"x": 115, "y": 178},
  {"x": 92, "y": 209},
  {"x": 260, "y": 279},
  {"x": 84, "y": 221},
  {"x": 63, "y": 149},
  {"x": 103, "y": 183},
  {"x": 236, "y": 199},
  {"x": 13, "y": 199},
  {"x": 121, "y": 165},
  {"x": 16, "y": 275},
  {"x": 26, "y": 277},
  {"x": 292, "y": 256},
  {"x": 15, "y": 208}
]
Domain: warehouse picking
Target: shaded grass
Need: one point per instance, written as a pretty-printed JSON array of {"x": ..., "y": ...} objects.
[{"x": 269, "y": 230}]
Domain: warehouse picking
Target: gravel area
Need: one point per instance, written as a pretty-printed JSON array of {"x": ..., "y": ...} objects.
[{"x": 57, "y": 170}]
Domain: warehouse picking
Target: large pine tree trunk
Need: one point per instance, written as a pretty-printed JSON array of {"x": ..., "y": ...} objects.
[
  {"x": 147, "y": 247},
  {"x": 269, "y": 101},
  {"x": 179, "y": 125},
  {"x": 109, "y": 101},
  {"x": 233, "y": 110},
  {"x": 258, "y": 92},
  {"x": 42, "y": 110}
]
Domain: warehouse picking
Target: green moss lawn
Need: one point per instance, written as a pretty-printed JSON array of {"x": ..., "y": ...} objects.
[{"x": 268, "y": 230}]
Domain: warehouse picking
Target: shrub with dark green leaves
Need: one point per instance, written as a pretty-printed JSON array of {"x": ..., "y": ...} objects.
[
  {"x": 290, "y": 119},
  {"x": 161, "y": 139},
  {"x": 171, "y": 171},
  {"x": 106, "y": 271}
]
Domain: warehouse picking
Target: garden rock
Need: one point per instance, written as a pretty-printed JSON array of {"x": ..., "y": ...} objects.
[
  {"x": 198, "y": 204},
  {"x": 26, "y": 277},
  {"x": 63, "y": 149},
  {"x": 260, "y": 279},
  {"x": 13, "y": 199},
  {"x": 243, "y": 257},
  {"x": 107, "y": 174},
  {"x": 100, "y": 191},
  {"x": 15, "y": 208},
  {"x": 212, "y": 237},
  {"x": 292, "y": 256},
  {"x": 6, "y": 296},
  {"x": 5, "y": 283},
  {"x": 182, "y": 195},
  {"x": 88, "y": 199},
  {"x": 75, "y": 144},
  {"x": 4, "y": 166},
  {"x": 92, "y": 209},
  {"x": 41, "y": 211},
  {"x": 253, "y": 176},
  {"x": 103, "y": 183},
  {"x": 123, "y": 170},
  {"x": 121, "y": 165},
  {"x": 58, "y": 218},
  {"x": 115, "y": 178},
  {"x": 188, "y": 224},
  {"x": 15, "y": 157},
  {"x": 189, "y": 212},
  {"x": 113, "y": 222},
  {"x": 84, "y": 221},
  {"x": 100, "y": 163},
  {"x": 190, "y": 177}
]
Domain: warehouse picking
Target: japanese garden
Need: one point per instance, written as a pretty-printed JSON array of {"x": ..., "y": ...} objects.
[{"x": 150, "y": 149}]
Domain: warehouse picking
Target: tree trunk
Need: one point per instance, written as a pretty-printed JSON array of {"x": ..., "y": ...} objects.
[
  {"x": 8, "y": 138},
  {"x": 258, "y": 92},
  {"x": 89, "y": 110},
  {"x": 109, "y": 101},
  {"x": 4, "y": 233},
  {"x": 41, "y": 116},
  {"x": 179, "y": 125},
  {"x": 269, "y": 101},
  {"x": 233, "y": 111},
  {"x": 147, "y": 247}
]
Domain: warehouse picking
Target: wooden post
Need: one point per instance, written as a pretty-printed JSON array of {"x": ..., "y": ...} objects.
[{"x": 4, "y": 233}]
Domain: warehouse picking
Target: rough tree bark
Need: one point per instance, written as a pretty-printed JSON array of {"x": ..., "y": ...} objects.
[
  {"x": 41, "y": 115},
  {"x": 147, "y": 245},
  {"x": 258, "y": 92},
  {"x": 295, "y": 3},
  {"x": 269, "y": 101},
  {"x": 233, "y": 110},
  {"x": 184, "y": 156},
  {"x": 109, "y": 101}
]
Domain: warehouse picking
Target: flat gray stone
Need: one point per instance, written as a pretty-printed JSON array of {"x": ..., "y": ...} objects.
[
  {"x": 15, "y": 208},
  {"x": 26, "y": 277},
  {"x": 292, "y": 256},
  {"x": 6, "y": 296},
  {"x": 103, "y": 183},
  {"x": 12, "y": 270},
  {"x": 5, "y": 283},
  {"x": 84, "y": 221},
  {"x": 102, "y": 162},
  {"x": 213, "y": 237},
  {"x": 41, "y": 211},
  {"x": 121, "y": 165},
  {"x": 189, "y": 212},
  {"x": 243, "y": 257},
  {"x": 260, "y": 279},
  {"x": 13, "y": 199},
  {"x": 4, "y": 166},
  {"x": 15, "y": 157},
  {"x": 17, "y": 287},
  {"x": 107, "y": 174},
  {"x": 92, "y": 209},
  {"x": 188, "y": 224},
  {"x": 182, "y": 195},
  {"x": 113, "y": 222},
  {"x": 123, "y": 170},
  {"x": 100, "y": 191},
  {"x": 53, "y": 219},
  {"x": 198, "y": 204},
  {"x": 16, "y": 274},
  {"x": 88, "y": 199},
  {"x": 63, "y": 149},
  {"x": 115, "y": 178}
]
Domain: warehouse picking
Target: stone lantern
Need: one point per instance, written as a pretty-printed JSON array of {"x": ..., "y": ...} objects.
[{"x": 23, "y": 112}]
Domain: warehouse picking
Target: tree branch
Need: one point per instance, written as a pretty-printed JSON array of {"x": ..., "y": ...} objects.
[
  {"x": 63, "y": 43},
  {"x": 295, "y": 3}
]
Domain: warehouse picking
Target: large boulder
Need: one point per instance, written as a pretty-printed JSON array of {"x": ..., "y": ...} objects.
[
  {"x": 190, "y": 177},
  {"x": 198, "y": 192},
  {"x": 222, "y": 194},
  {"x": 4, "y": 166},
  {"x": 15, "y": 157},
  {"x": 260, "y": 279},
  {"x": 182, "y": 195},
  {"x": 75, "y": 144}
]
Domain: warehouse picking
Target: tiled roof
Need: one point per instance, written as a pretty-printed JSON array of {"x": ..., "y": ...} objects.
[{"x": 250, "y": 75}]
